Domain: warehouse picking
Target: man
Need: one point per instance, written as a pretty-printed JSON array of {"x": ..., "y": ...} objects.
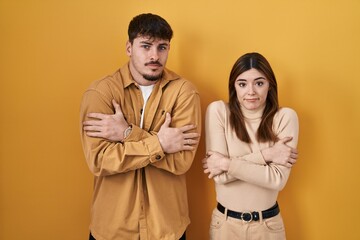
[{"x": 140, "y": 133}]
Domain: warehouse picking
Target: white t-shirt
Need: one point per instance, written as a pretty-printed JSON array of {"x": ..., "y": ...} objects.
[{"x": 146, "y": 92}]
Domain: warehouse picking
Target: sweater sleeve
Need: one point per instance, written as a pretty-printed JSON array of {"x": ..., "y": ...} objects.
[
  {"x": 215, "y": 135},
  {"x": 215, "y": 124},
  {"x": 270, "y": 176}
]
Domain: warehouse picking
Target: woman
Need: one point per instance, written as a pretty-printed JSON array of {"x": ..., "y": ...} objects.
[{"x": 251, "y": 147}]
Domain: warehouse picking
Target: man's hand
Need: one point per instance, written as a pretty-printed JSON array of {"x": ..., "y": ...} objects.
[
  {"x": 215, "y": 164},
  {"x": 280, "y": 153},
  {"x": 109, "y": 127},
  {"x": 174, "y": 140}
]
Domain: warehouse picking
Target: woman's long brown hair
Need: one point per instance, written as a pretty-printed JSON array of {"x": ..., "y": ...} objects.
[{"x": 265, "y": 131}]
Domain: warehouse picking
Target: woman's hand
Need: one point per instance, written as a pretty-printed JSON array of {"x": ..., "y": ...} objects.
[
  {"x": 280, "y": 153},
  {"x": 215, "y": 163}
]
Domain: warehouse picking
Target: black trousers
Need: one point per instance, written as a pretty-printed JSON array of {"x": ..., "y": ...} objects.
[{"x": 183, "y": 237}]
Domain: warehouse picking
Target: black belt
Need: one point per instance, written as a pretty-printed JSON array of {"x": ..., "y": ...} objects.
[{"x": 251, "y": 216}]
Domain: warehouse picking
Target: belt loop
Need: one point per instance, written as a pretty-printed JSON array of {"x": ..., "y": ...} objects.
[
  {"x": 260, "y": 217},
  {"x": 226, "y": 215}
]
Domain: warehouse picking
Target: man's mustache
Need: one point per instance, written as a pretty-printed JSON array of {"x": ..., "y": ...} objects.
[{"x": 154, "y": 63}]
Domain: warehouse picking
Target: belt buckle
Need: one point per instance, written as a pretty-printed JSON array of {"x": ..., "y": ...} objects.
[{"x": 246, "y": 217}]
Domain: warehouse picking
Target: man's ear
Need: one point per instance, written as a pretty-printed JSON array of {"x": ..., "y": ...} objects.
[{"x": 128, "y": 48}]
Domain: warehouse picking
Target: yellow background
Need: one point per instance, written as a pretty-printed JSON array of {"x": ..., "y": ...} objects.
[{"x": 50, "y": 51}]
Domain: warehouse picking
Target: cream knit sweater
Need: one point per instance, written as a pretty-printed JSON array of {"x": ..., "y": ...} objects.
[{"x": 250, "y": 183}]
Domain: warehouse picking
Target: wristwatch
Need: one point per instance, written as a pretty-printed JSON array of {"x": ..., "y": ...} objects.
[{"x": 127, "y": 132}]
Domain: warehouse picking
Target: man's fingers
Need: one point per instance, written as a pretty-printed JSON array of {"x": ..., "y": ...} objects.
[
  {"x": 188, "y": 148},
  {"x": 190, "y": 141},
  {"x": 94, "y": 134},
  {"x": 191, "y": 135},
  {"x": 92, "y": 128},
  {"x": 187, "y": 128},
  {"x": 92, "y": 123},
  {"x": 96, "y": 115}
]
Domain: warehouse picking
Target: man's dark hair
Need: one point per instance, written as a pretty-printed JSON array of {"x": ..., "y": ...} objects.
[{"x": 149, "y": 25}]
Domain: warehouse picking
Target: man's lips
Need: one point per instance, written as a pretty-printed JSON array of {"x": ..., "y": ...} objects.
[{"x": 153, "y": 64}]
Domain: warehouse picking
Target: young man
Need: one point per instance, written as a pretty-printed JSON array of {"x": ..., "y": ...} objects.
[{"x": 140, "y": 131}]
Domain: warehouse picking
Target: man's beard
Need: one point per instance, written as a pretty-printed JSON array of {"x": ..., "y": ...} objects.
[{"x": 152, "y": 77}]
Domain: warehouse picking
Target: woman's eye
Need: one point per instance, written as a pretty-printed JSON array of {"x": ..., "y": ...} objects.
[
  {"x": 242, "y": 84},
  {"x": 260, "y": 83}
]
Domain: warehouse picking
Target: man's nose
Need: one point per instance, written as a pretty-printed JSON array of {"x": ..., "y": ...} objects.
[{"x": 154, "y": 55}]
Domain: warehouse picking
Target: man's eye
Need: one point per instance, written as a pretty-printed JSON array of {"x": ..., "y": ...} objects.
[
  {"x": 146, "y": 46},
  {"x": 162, "y": 48}
]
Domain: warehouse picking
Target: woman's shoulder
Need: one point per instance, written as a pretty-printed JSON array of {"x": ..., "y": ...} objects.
[
  {"x": 285, "y": 114},
  {"x": 218, "y": 106},
  {"x": 286, "y": 111},
  {"x": 218, "y": 110}
]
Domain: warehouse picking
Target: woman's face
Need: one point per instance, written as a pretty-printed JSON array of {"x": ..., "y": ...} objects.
[{"x": 252, "y": 89}]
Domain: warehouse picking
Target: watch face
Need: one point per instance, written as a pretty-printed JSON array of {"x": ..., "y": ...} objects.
[{"x": 127, "y": 131}]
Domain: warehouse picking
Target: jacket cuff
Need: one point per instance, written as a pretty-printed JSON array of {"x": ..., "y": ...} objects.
[{"x": 154, "y": 148}]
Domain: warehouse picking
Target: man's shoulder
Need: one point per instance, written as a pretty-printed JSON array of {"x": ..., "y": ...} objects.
[
  {"x": 178, "y": 82},
  {"x": 108, "y": 81}
]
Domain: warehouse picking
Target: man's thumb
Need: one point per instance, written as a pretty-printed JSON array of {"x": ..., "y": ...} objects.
[
  {"x": 167, "y": 120},
  {"x": 116, "y": 106}
]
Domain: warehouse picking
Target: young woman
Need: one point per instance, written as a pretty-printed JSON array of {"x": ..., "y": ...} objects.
[{"x": 251, "y": 147}]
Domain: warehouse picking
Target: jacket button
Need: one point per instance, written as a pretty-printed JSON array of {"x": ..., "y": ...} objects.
[{"x": 158, "y": 157}]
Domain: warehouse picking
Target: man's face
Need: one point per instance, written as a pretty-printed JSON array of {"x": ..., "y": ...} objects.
[{"x": 147, "y": 59}]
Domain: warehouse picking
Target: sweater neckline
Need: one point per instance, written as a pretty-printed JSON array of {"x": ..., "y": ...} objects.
[{"x": 253, "y": 114}]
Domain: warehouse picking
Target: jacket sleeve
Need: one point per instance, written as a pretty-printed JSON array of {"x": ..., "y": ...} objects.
[
  {"x": 271, "y": 175},
  {"x": 186, "y": 110},
  {"x": 108, "y": 158}
]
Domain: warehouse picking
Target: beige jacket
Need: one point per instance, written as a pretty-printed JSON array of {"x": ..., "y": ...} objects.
[{"x": 139, "y": 191}]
